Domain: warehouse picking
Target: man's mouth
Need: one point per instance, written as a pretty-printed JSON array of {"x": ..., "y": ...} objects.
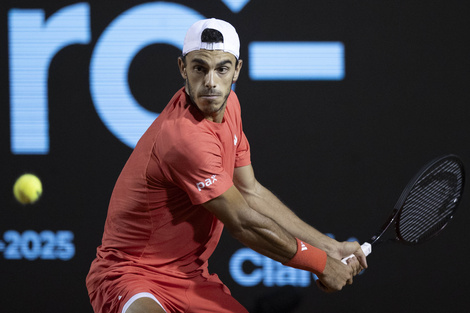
[{"x": 210, "y": 95}]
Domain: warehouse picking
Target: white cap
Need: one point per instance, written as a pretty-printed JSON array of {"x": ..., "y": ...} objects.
[{"x": 192, "y": 40}]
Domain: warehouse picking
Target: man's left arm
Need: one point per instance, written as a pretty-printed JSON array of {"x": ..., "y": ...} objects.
[{"x": 266, "y": 203}]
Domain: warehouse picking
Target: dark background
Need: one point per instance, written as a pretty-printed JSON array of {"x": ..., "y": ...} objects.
[{"x": 337, "y": 152}]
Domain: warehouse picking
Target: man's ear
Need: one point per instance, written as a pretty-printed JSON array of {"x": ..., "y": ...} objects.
[
  {"x": 182, "y": 68},
  {"x": 237, "y": 70}
]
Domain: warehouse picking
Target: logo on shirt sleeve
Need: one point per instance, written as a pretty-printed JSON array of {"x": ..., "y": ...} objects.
[{"x": 206, "y": 183}]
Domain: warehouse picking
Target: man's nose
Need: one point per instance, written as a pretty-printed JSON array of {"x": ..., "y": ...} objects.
[{"x": 210, "y": 80}]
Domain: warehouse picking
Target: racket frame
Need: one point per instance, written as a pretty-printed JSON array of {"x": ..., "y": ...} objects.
[{"x": 392, "y": 219}]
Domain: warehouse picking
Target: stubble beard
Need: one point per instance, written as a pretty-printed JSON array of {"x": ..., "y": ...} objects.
[{"x": 212, "y": 110}]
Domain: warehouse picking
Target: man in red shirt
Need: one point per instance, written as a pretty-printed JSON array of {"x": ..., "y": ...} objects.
[{"x": 189, "y": 175}]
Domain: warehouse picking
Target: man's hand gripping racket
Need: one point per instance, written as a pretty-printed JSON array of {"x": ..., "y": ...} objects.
[{"x": 426, "y": 205}]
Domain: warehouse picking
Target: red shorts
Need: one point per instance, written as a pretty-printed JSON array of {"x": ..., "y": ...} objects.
[{"x": 195, "y": 294}]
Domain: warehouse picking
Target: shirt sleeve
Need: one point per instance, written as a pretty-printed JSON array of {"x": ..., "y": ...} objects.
[{"x": 195, "y": 165}]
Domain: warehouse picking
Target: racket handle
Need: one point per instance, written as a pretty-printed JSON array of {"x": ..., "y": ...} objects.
[{"x": 366, "y": 248}]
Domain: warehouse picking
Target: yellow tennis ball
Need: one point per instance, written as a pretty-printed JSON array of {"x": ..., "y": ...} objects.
[{"x": 27, "y": 189}]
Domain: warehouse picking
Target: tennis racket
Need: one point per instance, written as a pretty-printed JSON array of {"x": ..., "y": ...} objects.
[{"x": 425, "y": 206}]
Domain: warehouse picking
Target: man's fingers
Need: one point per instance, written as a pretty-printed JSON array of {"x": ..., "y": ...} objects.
[
  {"x": 363, "y": 260},
  {"x": 355, "y": 265}
]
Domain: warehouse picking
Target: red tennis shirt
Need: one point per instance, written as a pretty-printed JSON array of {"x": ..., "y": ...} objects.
[{"x": 155, "y": 220}]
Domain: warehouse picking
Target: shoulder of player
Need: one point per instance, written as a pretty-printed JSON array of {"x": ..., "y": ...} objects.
[
  {"x": 184, "y": 139},
  {"x": 189, "y": 150}
]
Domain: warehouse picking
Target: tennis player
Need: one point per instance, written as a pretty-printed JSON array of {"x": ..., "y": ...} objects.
[{"x": 188, "y": 177}]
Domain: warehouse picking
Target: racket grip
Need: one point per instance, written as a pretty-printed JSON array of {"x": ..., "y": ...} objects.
[{"x": 366, "y": 248}]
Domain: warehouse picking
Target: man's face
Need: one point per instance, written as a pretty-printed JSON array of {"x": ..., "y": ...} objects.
[{"x": 209, "y": 75}]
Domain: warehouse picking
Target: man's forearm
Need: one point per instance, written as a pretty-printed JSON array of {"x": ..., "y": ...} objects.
[
  {"x": 266, "y": 203},
  {"x": 254, "y": 229}
]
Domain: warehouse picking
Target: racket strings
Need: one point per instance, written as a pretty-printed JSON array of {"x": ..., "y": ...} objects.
[
  {"x": 431, "y": 202},
  {"x": 420, "y": 217}
]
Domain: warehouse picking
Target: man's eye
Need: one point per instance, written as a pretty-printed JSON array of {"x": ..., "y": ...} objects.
[{"x": 223, "y": 70}]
